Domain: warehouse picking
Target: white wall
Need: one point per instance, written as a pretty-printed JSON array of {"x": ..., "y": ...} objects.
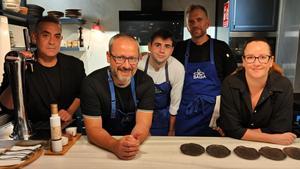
[
  {"x": 108, "y": 12},
  {"x": 4, "y": 42}
]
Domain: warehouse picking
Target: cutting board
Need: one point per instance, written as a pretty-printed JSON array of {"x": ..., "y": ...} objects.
[{"x": 65, "y": 148}]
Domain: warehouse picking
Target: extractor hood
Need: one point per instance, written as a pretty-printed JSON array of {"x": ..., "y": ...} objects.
[{"x": 142, "y": 24}]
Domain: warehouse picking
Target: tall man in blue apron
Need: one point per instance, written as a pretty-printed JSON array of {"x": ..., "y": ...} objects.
[
  {"x": 118, "y": 100},
  {"x": 207, "y": 62},
  {"x": 168, "y": 76}
]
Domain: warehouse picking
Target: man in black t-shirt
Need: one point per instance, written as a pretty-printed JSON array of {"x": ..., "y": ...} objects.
[
  {"x": 55, "y": 78},
  {"x": 207, "y": 62},
  {"x": 118, "y": 100}
]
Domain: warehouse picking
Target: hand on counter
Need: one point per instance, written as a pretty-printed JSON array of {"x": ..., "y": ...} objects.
[
  {"x": 284, "y": 138},
  {"x": 64, "y": 115},
  {"x": 127, "y": 147}
]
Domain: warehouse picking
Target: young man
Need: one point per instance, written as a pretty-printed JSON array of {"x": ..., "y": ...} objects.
[
  {"x": 168, "y": 75},
  {"x": 56, "y": 78},
  {"x": 118, "y": 100},
  {"x": 207, "y": 62}
]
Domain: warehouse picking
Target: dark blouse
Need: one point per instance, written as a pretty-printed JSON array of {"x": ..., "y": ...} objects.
[{"x": 272, "y": 114}]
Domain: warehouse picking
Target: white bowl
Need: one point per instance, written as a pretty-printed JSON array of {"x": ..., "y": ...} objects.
[
  {"x": 71, "y": 131},
  {"x": 65, "y": 140}
]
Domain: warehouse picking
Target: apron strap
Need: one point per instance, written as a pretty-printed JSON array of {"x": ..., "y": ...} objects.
[
  {"x": 132, "y": 86},
  {"x": 167, "y": 72},
  {"x": 166, "y": 69},
  {"x": 187, "y": 52},
  {"x": 113, "y": 94},
  {"x": 211, "y": 51},
  {"x": 146, "y": 65}
]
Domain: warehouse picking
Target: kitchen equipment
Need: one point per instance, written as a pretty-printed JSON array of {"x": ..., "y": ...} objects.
[
  {"x": 15, "y": 63},
  {"x": 11, "y": 5}
]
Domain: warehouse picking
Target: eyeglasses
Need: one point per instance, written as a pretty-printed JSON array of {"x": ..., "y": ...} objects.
[
  {"x": 261, "y": 59},
  {"x": 121, "y": 59}
]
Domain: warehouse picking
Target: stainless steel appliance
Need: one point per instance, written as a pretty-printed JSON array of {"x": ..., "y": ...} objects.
[{"x": 15, "y": 63}]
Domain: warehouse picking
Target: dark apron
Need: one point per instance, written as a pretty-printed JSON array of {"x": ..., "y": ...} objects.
[
  {"x": 201, "y": 86},
  {"x": 126, "y": 120},
  {"x": 161, "y": 114}
]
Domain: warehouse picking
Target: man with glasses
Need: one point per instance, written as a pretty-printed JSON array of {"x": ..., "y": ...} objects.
[
  {"x": 168, "y": 75},
  {"x": 257, "y": 102},
  {"x": 118, "y": 100}
]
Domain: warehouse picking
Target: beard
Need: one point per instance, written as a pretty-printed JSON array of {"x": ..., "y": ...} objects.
[
  {"x": 197, "y": 33},
  {"x": 121, "y": 81}
]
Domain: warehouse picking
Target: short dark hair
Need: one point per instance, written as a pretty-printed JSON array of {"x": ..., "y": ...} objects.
[
  {"x": 162, "y": 33},
  {"x": 192, "y": 7},
  {"x": 49, "y": 18},
  {"x": 257, "y": 39}
]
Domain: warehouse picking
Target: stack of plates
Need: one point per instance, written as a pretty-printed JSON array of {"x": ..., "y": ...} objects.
[
  {"x": 73, "y": 13},
  {"x": 56, "y": 14},
  {"x": 35, "y": 10}
]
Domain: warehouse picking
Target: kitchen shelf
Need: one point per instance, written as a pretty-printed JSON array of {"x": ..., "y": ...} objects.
[
  {"x": 75, "y": 49},
  {"x": 18, "y": 48},
  {"x": 15, "y": 18},
  {"x": 78, "y": 21}
]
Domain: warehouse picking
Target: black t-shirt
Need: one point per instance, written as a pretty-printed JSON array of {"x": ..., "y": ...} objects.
[
  {"x": 224, "y": 60},
  {"x": 51, "y": 77},
  {"x": 96, "y": 99},
  {"x": 63, "y": 81}
]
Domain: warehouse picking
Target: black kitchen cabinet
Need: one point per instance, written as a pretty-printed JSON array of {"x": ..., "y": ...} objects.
[{"x": 253, "y": 15}]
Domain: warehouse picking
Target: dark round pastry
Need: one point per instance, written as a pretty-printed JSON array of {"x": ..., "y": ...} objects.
[
  {"x": 218, "y": 151},
  {"x": 192, "y": 149},
  {"x": 272, "y": 153},
  {"x": 247, "y": 153},
  {"x": 293, "y": 152}
]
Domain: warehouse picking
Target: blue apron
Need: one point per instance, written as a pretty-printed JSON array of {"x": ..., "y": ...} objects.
[
  {"x": 126, "y": 120},
  {"x": 201, "y": 86},
  {"x": 161, "y": 114}
]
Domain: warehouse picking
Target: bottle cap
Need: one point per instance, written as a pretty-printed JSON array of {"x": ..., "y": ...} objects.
[{"x": 54, "y": 108}]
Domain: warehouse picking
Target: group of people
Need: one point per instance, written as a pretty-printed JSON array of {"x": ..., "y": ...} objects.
[{"x": 171, "y": 90}]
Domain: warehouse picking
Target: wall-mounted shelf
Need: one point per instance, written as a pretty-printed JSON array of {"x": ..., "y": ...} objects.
[
  {"x": 74, "y": 49},
  {"x": 15, "y": 18},
  {"x": 78, "y": 21}
]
